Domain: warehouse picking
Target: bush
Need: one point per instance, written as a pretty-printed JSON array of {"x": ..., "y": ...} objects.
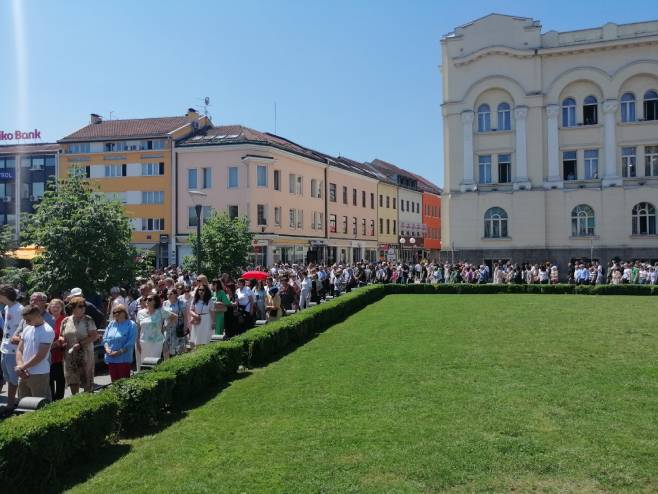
[{"x": 34, "y": 447}]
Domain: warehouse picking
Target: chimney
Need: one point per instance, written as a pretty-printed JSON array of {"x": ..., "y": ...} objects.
[
  {"x": 192, "y": 114},
  {"x": 95, "y": 119}
]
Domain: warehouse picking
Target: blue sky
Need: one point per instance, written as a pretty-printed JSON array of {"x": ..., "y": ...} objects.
[{"x": 356, "y": 78}]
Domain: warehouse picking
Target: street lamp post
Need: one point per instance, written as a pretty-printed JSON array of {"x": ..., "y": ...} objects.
[{"x": 197, "y": 197}]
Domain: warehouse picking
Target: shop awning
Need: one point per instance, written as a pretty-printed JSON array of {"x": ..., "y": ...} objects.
[{"x": 26, "y": 253}]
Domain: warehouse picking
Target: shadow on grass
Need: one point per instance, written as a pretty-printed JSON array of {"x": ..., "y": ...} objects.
[{"x": 94, "y": 461}]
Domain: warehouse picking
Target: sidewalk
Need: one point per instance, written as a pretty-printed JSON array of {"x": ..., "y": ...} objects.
[{"x": 102, "y": 379}]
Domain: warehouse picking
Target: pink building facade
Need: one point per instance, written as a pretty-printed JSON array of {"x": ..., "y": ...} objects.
[
  {"x": 351, "y": 211},
  {"x": 277, "y": 185}
]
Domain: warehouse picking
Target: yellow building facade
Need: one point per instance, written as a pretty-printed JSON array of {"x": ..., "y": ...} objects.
[
  {"x": 132, "y": 161},
  {"x": 387, "y": 219}
]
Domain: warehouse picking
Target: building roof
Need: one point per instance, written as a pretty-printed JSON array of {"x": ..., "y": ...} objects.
[
  {"x": 353, "y": 166},
  {"x": 129, "y": 129},
  {"x": 390, "y": 170},
  {"x": 41, "y": 147},
  {"x": 239, "y": 134}
]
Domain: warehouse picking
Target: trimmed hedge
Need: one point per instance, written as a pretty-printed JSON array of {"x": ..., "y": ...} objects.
[
  {"x": 463, "y": 288},
  {"x": 35, "y": 446}
]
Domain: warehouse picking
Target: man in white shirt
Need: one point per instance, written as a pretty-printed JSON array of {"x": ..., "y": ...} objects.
[
  {"x": 12, "y": 316},
  {"x": 32, "y": 363}
]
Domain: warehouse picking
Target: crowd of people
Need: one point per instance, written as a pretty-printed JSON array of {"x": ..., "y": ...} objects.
[{"x": 48, "y": 345}]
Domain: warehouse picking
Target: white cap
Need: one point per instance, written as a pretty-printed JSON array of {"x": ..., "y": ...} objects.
[{"x": 76, "y": 292}]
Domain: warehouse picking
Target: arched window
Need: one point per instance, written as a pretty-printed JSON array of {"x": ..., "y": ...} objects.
[
  {"x": 582, "y": 221},
  {"x": 569, "y": 112},
  {"x": 590, "y": 113},
  {"x": 628, "y": 107},
  {"x": 644, "y": 219},
  {"x": 651, "y": 105},
  {"x": 484, "y": 118},
  {"x": 495, "y": 223},
  {"x": 504, "y": 117}
]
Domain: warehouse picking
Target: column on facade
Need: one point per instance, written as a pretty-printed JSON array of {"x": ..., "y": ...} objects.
[
  {"x": 467, "y": 123},
  {"x": 553, "y": 148},
  {"x": 521, "y": 180},
  {"x": 610, "y": 178}
]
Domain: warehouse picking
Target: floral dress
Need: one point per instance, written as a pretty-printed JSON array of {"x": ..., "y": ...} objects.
[{"x": 174, "y": 344}]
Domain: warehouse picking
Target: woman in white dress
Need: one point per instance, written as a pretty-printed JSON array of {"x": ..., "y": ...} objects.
[{"x": 201, "y": 316}]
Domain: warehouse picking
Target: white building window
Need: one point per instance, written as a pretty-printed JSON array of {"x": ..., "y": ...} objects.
[
  {"x": 232, "y": 177},
  {"x": 207, "y": 178},
  {"x": 293, "y": 218},
  {"x": 495, "y": 223},
  {"x": 582, "y": 221},
  {"x": 651, "y": 105},
  {"x": 261, "y": 215},
  {"x": 504, "y": 117},
  {"x": 644, "y": 219},
  {"x": 277, "y": 216},
  {"x": 484, "y": 118},
  {"x": 37, "y": 190},
  {"x": 628, "y": 162},
  {"x": 569, "y": 112},
  {"x": 651, "y": 161},
  {"x": 504, "y": 168},
  {"x": 152, "y": 169},
  {"x": 590, "y": 111},
  {"x": 591, "y": 164},
  {"x": 115, "y": 170},
  {"x": 153, "y": 224},
  {"x": 261, "y": 176},
  {"x": 153, "y": 197},
  {"x": 316, "y": 188},
  {"x": 192, "y": 179},
  {"x": 206, "y": 211},
  {"x": 277, "y": 179},
  {"x": 569, "y": 165},
  {"x": 628, "y": 107},
  {"x": 233, "y": 211},
  {"x": 484, "y": 165}
]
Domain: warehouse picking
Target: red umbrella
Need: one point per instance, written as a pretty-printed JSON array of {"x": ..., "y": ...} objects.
[{"x": 254, "y": 275}]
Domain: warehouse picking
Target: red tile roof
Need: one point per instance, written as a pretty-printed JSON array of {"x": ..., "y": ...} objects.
[
  {"x": 46, "y": 147},
  {"x": 390, "y": 169},
  {"x": 239, "y": 134},
  {"x": 131, "y": 128}
]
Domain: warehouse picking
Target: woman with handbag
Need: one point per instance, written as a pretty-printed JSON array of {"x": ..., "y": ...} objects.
[
  {"x": 220, "y": 303},
  {"x": 200, "y": 317},
  {"x": 175, "y": 333}
]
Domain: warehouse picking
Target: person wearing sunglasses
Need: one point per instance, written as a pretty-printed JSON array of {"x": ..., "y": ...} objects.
[
  {"x": 175, "y": 333},
  {"x": 201, "y": 317},
  {"x": 79, "y": 333},
  {"x": 151, "y": 322},
  {"x": 119, "y": 342}
]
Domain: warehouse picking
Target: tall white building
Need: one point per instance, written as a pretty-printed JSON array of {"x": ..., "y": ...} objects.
[{"x": 551, "y": 141}]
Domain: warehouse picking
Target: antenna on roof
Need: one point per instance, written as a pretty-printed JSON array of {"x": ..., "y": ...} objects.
[
  {"x": 111, "y": 112},
  {"x": 206, "y": 104}
]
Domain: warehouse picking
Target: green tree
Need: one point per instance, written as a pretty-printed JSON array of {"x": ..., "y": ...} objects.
[
  {"x": 86, "y": 239},
  {"x": 7, "y": 243},
  {"x": 225, "y": 243},
  {"x": 145, "y": 263}
]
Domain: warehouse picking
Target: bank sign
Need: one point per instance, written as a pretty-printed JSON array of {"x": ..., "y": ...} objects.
[{"x": 19, "y": 135}]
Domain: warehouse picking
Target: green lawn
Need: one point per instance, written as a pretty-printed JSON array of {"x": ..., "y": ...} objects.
[{"x": 430, "y": 393}]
